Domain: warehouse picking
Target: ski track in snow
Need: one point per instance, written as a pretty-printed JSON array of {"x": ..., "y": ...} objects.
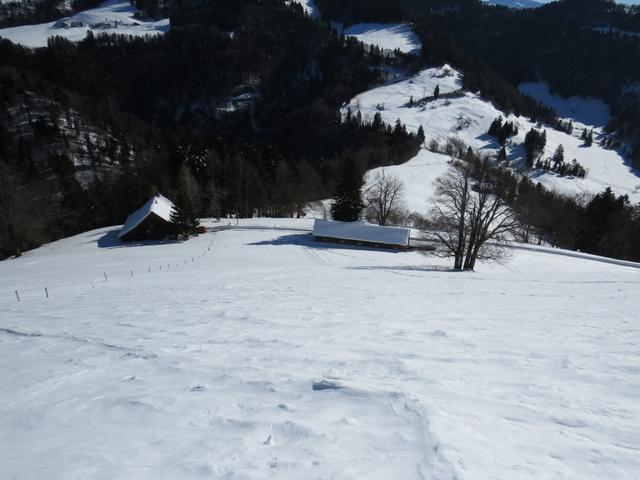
[{"x": 528, "y": 370}]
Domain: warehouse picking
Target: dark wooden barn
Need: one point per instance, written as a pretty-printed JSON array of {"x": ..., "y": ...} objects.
[{"x": 151, "y": 222}]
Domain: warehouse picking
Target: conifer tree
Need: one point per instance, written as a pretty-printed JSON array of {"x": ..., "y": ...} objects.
[
  {"x": 436, "y": 92},
  {"x": 186, "y": 205},
  {"x": 377, "y": 121},
  {"x": 558, "y": 156},
  {"x": 348, "y": 203}
]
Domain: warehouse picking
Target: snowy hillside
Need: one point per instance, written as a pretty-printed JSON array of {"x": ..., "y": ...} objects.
[
  {"x": 271, "y": 356},
  {"x": 585, "y": 111},
  {"x": 387, "y": 36},
  {"x": 418, "y": 176},
  {"x": 310, "y": 7},
  {"x": 112, "y": 16},
  {"x": 515, "y": 3},
  {"x": 466, "y": 115}
]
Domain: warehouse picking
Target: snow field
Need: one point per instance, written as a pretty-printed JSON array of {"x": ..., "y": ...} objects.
[
  {"x": 584, "y": 111},
  {"x": 418, "y": 176},
  {"x": 112, "y": 16},
  {"x": 388, "y": 36},
  {"x": 216, "y": 368},
  {"x": 467, "y": 116}
]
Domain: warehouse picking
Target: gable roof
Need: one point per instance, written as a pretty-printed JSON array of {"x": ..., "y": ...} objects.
[
  {"x": 362, "y": 232},
  {"x": 158, "y": 205}
]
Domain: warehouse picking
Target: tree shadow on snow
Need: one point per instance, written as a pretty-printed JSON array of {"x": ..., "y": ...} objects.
[
  {"x": 309, "y": 241},
  {"x": 111, "y": 240}
]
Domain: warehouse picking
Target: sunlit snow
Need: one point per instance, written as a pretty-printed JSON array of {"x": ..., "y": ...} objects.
[
  {"x": 465, "y": 115},
  {"x": 112, "y": 16},
  {"x": 273, "y": 356},
  {"x": 387, "y": 36}
]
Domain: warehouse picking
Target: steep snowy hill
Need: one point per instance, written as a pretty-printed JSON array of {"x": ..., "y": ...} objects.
[
  {"x": 272, "y": 356},
  {"x": 465, "y": 115},
  {"x": 112, "y": 16}
]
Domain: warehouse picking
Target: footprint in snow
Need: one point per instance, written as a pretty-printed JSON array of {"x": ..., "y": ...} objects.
[{"x": 325, "y": 385}]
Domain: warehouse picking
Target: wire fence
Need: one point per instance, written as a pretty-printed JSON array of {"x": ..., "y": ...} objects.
[{"x": 48, "y": 291}]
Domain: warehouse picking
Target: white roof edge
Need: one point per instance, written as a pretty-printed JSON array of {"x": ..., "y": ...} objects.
[
  {"x": 362, "y": 232},
  {"x": 158, "y": 204}
]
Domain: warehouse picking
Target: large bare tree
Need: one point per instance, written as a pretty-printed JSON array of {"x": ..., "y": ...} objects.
[
  {"x": 384, "y": 199},
  {"x": 469, "y": 218}
]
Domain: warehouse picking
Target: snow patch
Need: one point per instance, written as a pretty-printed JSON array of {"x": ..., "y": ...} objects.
[
  {"x": 387, "y": 36},
  {"x": 587, "y": 111},
  {"x": 111, "y": 17}
]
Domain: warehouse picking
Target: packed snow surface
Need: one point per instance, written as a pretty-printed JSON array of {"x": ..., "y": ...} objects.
[
  {"x": 111, "y": 17},
  {"x": 465, "y": 115},
  {"x": 273, "y": 356},
  {"x": 361, "y": 231},
  {"x": 387, "y": 36}
]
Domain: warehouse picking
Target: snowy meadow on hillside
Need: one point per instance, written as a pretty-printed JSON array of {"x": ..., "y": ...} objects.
[
  {"x": 112, "y": 16},
  {"x": 273, "y": 356},
  {"x": 465, "y": 115}
]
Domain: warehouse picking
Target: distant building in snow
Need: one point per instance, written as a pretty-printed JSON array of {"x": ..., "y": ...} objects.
[
  {"x": 151, "y": 222},
  {"x": 358, "y": 233}
]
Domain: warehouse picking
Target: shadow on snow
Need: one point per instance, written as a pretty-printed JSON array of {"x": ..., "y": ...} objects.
[
  {"x": 111, "y": 240},
  {"x": 308, "y": 240}
]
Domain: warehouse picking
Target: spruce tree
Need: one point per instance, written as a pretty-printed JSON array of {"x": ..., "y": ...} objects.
[
  {"x": 558, "y": 156},
  {"x": 377, "y": 121},
  {"x": 184, "y": 215},
  {"x": 348, "y": 203}
]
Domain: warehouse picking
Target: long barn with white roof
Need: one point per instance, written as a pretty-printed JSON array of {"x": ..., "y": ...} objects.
[{"x": 361, "y": 233}]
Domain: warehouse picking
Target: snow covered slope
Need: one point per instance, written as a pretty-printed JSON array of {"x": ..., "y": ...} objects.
[
  {"x": 466, "y": 115},
  {"x": 585, "y": 111},
  {"x": 418, "y": 176},
  {"x": 309, "y": 6},
  {"x": 388, "y": 36},
  {"x": 271, "y": 356},
  {"x": 515, "y": 3},
  {"x": 112, "y": 16}
]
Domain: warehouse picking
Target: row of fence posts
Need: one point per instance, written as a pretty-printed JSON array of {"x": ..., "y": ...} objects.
[{"x": 106, "y": 278}]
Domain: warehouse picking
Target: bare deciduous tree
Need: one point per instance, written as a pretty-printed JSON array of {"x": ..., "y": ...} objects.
[
  {"x": 384, "y": 198},
  {"x": 469, "y": 218}
]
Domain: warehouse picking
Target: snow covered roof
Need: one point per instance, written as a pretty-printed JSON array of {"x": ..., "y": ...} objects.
[
  {"x": 361, "y": 232},
  {"x": 159, "y": 205}
]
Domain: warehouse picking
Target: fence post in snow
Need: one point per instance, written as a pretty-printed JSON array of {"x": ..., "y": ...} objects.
[
  {"x": 46, "y": 292},
  {"x": 131, "y": 272},
  {"x": 17, "y": 296},
  {"x": 105, "y": 277},
  {"x": 149, "y": 269}
]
